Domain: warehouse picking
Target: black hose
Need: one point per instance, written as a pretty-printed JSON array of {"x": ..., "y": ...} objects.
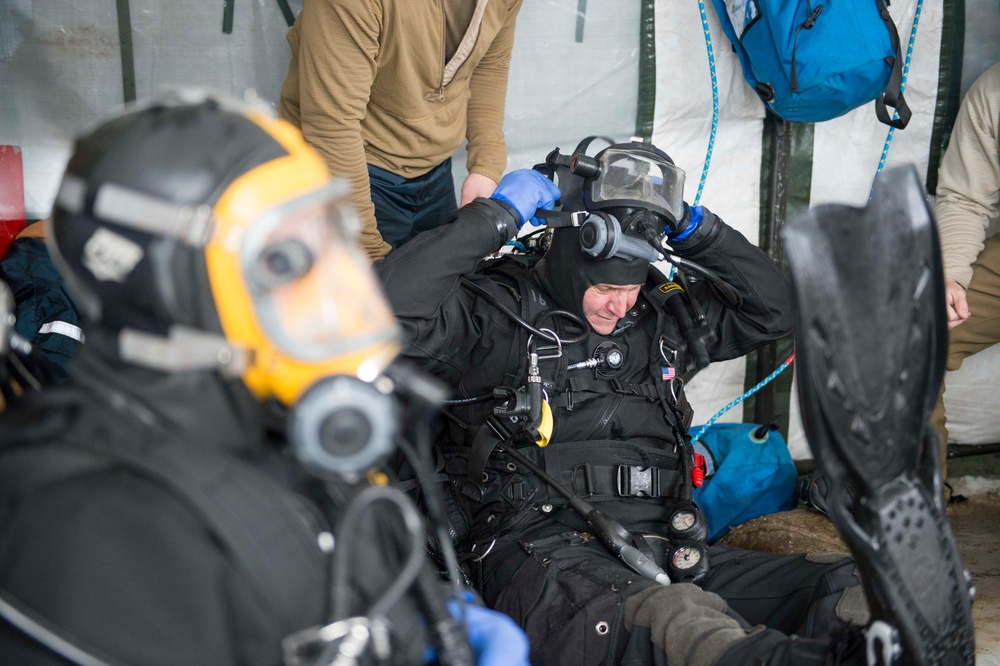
[
  {"x": 435, "y": 509},
  {"x": 608, "y": 531},
  {"x": 448, "y": 634},
  {"x": 469, "y": 401},
  {"x": 414, "y": 528},
  {"x": 730, "y": 297},
  {"x": 469, "y": 284}
]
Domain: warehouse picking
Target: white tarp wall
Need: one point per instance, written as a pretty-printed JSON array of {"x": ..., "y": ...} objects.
[
  {"x": 845, "y": 157},
  {"x": 61, "y": 67},
  {"x": 845, "y": 151},
  {"x": 574, "y": 73}
]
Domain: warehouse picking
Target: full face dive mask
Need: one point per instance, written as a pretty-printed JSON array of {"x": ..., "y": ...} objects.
[
  {"x": 324, "y": 334},
  {"x": 207, "y": 235},
  {"x": 625, "y": 200}
]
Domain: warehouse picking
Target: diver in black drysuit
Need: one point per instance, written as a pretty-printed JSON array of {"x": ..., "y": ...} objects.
[
  {"x": 614, "y": 442},
  {"x": 151, "y": 511}
]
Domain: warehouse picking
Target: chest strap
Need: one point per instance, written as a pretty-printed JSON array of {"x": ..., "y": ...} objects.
[{"x": 581, "y": 389}]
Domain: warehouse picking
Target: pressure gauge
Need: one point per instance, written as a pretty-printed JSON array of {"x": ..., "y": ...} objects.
[
  {"x": 687, "y": 523},
  {"x": 686, "y": 557},
  {"x": 683, "y": 520},
  {"x": 688, "y": 562}
]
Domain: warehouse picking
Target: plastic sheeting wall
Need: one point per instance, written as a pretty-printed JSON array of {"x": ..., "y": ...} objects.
[
  {"x": 61, "y": 67},
  {"x": 834, "y": 161},
  {"x": 844, "y": 152},
  {"x": 574, "y": 73}
]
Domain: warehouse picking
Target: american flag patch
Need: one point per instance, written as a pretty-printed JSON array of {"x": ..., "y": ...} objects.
[{"x": 668, "y": 373}]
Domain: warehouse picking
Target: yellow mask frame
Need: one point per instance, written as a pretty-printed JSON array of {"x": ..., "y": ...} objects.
[{"x": 274, "y": 370}]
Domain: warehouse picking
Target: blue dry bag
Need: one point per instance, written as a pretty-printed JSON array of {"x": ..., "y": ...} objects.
[
  {"x": 748, "y": 475},
  {"x": 812, "y": 60}
]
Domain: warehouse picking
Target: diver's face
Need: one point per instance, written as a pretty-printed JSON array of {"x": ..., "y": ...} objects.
[{"x": 605, "y": 304}]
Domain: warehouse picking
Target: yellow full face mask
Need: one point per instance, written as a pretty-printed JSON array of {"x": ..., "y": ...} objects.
[
  {"x": 286, "y": 302},
  {"x": 288, "y": 280}
]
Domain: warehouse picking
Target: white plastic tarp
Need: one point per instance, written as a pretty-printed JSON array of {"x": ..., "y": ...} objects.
[
  {"x": 61, "y": 68},
  {"x": 846, "y": 151}
]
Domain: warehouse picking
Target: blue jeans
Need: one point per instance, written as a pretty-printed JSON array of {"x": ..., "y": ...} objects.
[{"x": 406, "y": 206}]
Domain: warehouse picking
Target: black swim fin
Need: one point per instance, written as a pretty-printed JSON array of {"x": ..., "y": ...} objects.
[{"x": 871, "y": 343}]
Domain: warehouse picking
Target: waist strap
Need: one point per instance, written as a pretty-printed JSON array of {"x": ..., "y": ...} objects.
[{"x": 587, "y": 480}]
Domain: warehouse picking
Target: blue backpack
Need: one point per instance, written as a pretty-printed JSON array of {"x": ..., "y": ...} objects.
[
  {"x": 813, "y": 60},
  {"x": 750, "y": 474}
]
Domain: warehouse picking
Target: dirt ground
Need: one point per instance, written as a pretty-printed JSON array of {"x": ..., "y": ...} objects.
[{"x": 975, "y": 523}]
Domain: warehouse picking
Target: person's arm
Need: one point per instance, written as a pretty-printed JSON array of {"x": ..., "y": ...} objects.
[
  {"x": 440, "y": 320},
  {"x": 766, "y": 312},
  {"x": 487, "y": 95},
  {"x": 422, "y": 279},
  {"x": 338, "y": 44},
  {"x": 968, "y": 192}
]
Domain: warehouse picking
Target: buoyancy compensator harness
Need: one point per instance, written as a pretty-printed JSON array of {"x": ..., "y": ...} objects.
[
  {"x": 519, "y": 428},
  {"x": 519, "y": 422}
]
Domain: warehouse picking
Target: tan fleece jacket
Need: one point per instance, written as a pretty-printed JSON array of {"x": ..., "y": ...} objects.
[
  {"x": 368, "y": 84},
  {"x": 968, "y": 193}
]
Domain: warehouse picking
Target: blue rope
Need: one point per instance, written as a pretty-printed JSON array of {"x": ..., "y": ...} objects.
[
  {"x": 697, "y": 198},
  {"x": 902, "y": 87},
  {"x": 761, "y": 384},
  {"x": 715, "y": 101}
]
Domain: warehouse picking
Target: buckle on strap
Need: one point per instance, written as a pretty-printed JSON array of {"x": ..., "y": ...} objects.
[{"x": 636, "y": 481}]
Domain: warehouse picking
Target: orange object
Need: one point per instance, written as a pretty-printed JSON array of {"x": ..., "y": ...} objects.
[{"x": 12, "y": 217}]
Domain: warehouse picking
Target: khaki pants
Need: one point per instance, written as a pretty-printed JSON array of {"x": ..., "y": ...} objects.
[{"x": 979, "y": 331}]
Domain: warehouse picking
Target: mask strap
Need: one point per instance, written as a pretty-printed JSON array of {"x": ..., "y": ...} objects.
[{"x": 184, "y": 349}]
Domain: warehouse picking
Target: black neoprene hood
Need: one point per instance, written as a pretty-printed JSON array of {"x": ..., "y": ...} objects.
[{"x": 566, "y": 271}]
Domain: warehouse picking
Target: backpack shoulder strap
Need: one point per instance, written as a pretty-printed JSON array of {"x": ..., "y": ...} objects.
[
  {"x": 513, "y": 272},
  {"x": 893, "y": 95}
]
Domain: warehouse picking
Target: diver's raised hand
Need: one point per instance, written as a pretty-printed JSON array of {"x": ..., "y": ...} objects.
[{"x": 527, "y": 191}]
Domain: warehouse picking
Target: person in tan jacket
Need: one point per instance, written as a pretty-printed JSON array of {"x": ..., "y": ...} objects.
[
  {"x": 968, "y": 205},
  {"x": 387, "y": 90}
]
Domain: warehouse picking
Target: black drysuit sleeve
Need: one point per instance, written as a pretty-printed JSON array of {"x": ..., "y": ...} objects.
[
  {"x": 447, "y": 330},
  {"x": 766, "y": 313}
]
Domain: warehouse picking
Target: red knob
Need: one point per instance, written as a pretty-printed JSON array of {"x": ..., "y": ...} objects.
[{"x": 698, "y": 473}]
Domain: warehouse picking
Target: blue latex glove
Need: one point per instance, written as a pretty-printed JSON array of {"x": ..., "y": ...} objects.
[
  {"x": 494, "y": 637},
  {"x": 695, "y": 215},
  {"x": 527, "y": 190}
]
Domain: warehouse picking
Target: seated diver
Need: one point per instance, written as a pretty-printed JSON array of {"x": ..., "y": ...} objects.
[
  {"x": 569, "y": 461},
  {"x": 145, "y": 516}
]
